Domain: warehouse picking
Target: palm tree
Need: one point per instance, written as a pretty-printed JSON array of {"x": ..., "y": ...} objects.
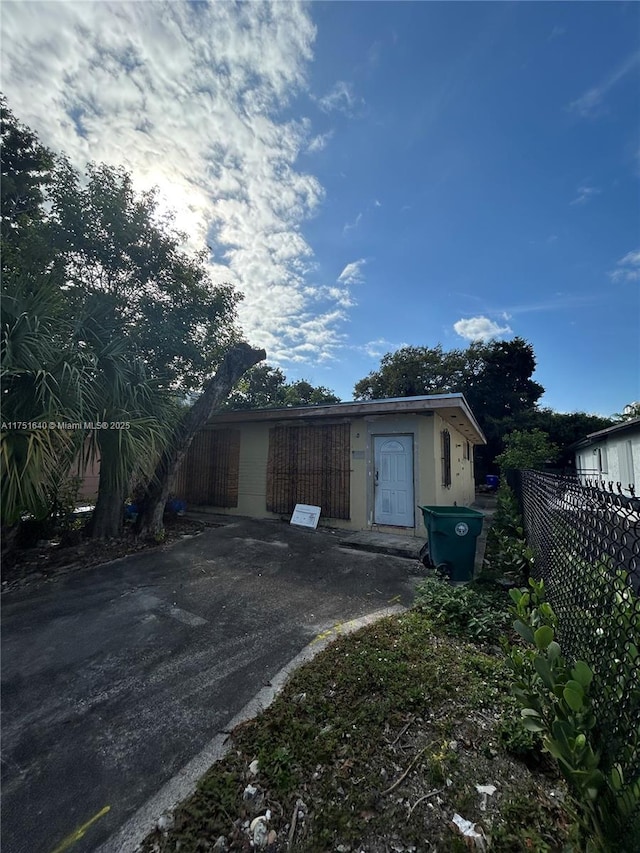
[{"x": 45, "y": 382}]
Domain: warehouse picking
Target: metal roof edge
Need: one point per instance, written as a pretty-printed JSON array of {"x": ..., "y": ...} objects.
[
  {"x": 591, "y": 437},
  {"x": 388, "y": 405}
]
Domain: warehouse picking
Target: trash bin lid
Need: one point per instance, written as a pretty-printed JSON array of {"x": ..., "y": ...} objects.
[{"x": 452, "y": 511}]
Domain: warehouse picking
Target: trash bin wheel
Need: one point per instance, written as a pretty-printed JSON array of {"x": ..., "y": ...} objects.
[{"x": 425, "y": 555}]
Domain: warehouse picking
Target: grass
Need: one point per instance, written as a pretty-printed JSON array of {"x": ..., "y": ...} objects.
[{"x": 377, "y": 742}]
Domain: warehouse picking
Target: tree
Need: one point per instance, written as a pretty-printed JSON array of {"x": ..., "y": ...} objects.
[
  {"x": 495, "y": 377},
  {"x": 237, "y": 360},
  {"x": 26, "y": 172},
  {"x": 113, "y": 242},
  {"x": 137, "y": 317},
  {"x": 45, "y": 376},
  {"x": 302, "y": 393},
  {"x": 259, "y": 388},
  {"x": 265, "y": 387},
  {"x": 526, "y": 450},
  {"x": 630, "y": 411},
  {"x": 563, "y": 429},
  {"x": 45, "y": 380},
  {"x": 410, "y": 372},
  {"x": 158, "y": 307}
]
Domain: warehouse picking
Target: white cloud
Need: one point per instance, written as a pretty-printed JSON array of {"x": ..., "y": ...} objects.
[
  {"x": 627, "y": 268},
  {"x": 340, "y": 98},
  {"x": 584, "y": 193},
  {"x": 479, "y": 329},
  {"x": 340, "y": 295},
  {"x": 319, "y": 142},
  {"x": 189, "y": 97},
  {"x": 352, "y": 273},
  {"x": 590, "y": 104},
  {"x": 380, "y": 347},
  {"x": 350, "y": 226}
]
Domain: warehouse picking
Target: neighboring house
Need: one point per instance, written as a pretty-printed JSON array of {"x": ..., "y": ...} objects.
[
  {"x": 612, "y": 455},
  {"x": 366, "y": 464}
]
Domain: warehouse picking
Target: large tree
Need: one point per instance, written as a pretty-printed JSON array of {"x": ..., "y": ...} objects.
[
  {"x": 495, "y": 377},
  {"x": 26, "y": 173},
  {"x": 265, "y": 387},
  {"x": 45, "y": 376},
  {"x": 136, "y": 313},
  {"x": 563, "y": 429}
]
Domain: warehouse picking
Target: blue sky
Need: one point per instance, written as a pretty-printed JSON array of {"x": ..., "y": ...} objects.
[{"x": 374, "y": 174}]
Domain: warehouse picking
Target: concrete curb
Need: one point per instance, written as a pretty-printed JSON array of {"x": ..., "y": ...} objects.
[{"x": 134, "y": 831}]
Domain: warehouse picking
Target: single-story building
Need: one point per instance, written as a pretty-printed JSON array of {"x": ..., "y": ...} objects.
[
  {"x": 612, "y": 455},
  {"x": 368, "y": 464}
]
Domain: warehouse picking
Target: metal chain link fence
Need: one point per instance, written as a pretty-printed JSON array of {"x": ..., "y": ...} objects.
[{"x": 586, "y": 545}]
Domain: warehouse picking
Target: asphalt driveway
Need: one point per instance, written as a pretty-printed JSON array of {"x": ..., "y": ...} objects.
[{"x": 114, "y": 678}]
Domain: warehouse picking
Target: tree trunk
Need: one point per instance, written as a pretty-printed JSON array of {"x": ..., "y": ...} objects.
[
  {"x": 107, "y": 519},
  {"x": 238, "y": 360}
]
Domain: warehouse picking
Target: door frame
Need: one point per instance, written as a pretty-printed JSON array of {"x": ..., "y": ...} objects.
[{"x": 405, "y": 433}]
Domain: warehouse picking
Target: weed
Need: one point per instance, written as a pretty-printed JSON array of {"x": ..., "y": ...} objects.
[
  {"x": 472, "y": 612},
  {"x": 514, "y": 737}
]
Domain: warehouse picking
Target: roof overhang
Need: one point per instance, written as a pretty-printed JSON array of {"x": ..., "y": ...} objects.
[
  {"x": 453, "y": 408},
  {"x": 602, "y": 434}
]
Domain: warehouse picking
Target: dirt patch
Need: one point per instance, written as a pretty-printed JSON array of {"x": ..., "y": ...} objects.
[{"x": 51, "y": 559}]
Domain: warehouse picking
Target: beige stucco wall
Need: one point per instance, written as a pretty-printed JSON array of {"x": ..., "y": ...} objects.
[
  {"x": 425, "y": 430},
  {"x": 462, "y": 489}
]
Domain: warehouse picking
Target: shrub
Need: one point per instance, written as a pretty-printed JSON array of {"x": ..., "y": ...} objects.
[{"x": 469, "y": 611}]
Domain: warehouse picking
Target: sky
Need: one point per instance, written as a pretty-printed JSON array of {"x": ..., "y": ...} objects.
[{"x": 373, "y": 174}]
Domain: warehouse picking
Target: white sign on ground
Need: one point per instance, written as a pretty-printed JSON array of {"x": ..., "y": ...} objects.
[{"x": 305, "y": 515}]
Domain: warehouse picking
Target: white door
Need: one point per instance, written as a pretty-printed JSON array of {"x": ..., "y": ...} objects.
[{"x": 393, "y": 480}]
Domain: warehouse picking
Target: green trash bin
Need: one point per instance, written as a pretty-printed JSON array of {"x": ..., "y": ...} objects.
[{"x": 452, "y": 532}]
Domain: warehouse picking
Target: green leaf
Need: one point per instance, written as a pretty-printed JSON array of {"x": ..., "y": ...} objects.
[
  {"x": 546, "y": 610},
  {"x": 532, "y": 724},
  {"x": 544, "y": 671},
  {"x": 616, "y": 777},
  {"x": 524, "y": 630},
  {"x": 553, "y": 651},
  {"x": 543, "y": 637},
  {"x": 562, "y": 731},
  {"x": 515, "y": 595},
  {"x": 573, "y": 698},
  {"x": 582, "y": 674}
]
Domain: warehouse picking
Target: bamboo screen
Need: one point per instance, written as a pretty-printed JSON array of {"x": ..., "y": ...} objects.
[
  {"x": 209, "y": 472},
  {"x": 309, "y": 465}
]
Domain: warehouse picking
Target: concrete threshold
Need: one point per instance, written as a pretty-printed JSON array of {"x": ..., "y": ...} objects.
[{"x": 384, "y": 543}]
